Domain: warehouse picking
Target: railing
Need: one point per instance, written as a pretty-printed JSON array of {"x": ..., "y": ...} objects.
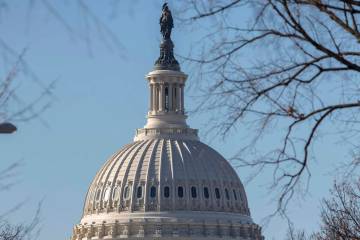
[{"x": 159, "y": 131}]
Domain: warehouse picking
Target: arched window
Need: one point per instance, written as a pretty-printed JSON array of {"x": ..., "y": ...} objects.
[
  {"x": 139, "y": 192},
  {"x": 180, "y": 192},
  {"x": 234, "y": 192},
  {"x": 175, "y": 98},
  {"x": 107, "y": 194},
  {"x": 206, "y": 193},
  {"x": 153, "y": 192},
  {"x": 227, "y": 194},
  {"x": 217, "y": 193},
  {"x": 193, "y": 192},
  {"x": 115, "y": 193},
  {"x": 166, "y": 98},
  {"x": 98, "y": 194},
  {"x": 166, "y": 192},
  {"x": 126, "y": 192}
]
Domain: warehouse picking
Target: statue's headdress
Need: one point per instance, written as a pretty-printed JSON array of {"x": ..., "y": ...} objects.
[{"x": 164, "y": 6}]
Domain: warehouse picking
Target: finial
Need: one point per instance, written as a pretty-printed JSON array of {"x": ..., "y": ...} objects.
[{"x": 166, "y": 61}]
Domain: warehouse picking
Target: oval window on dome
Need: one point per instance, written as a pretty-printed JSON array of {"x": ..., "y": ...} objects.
[
  {"x": 126, "y": 192},
  {"x": 227, "y": 194},
  {"x": 115, "y": 193},
  {"x": 193, "y": 192},
  {"x": 107, "y": 194},
  {"x": 153, "y": 192},
  {"x": 98, "y": 194},
  {"x": 180, "y": 192},
  {"x": 235, "y": 196},
  {"x": 167, "y": 192},
  {"x": 139, "y": 192},
  {"x": 206, "y": 192},
  {"x": 217, "y": 193}
]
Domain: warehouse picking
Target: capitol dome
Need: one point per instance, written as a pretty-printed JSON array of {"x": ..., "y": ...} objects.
[{"x": 166, "y": 184}]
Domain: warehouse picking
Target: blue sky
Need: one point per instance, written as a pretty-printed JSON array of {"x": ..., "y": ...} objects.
[{"x": 100, "y": 98}]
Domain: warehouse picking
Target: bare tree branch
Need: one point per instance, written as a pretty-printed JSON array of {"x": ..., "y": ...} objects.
[{"x": 273, "y": 71}]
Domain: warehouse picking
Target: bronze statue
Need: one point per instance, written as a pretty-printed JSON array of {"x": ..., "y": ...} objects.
[
  {"x": 166, "y": 22},
  {"x": 166, "y": 60}
]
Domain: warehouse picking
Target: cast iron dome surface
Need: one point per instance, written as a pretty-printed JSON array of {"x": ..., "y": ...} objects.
[
  {"x": 166, "y": 184},
  {"x": 197, "y": 177}
]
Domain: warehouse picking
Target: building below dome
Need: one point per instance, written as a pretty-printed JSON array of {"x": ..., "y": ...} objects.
[{"x": 166, "y": 184}]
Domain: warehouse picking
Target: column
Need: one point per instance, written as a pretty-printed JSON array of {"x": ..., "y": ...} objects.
[
  {"x": 175, "y": 97},
  {"x": 156, "y": 96},
  {"x": 170, "y": 92},
  {"x": 151, "y": 105},
  {"x": 182, "y": 99},
  {"x": 161, "y": 98},
  {"x": 178, "y": 97}
]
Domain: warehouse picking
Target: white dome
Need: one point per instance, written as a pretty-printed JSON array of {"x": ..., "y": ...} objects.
[
  {"x": 166, "y": 188},
  {"x": 166, "y": 175}
]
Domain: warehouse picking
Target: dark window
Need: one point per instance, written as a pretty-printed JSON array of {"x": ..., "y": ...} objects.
[
  {"x": 180, "y": 192},
  {"x": 167, "y": 192},
  {"x": 153, "y": 192},
  {"x": 166, "y": 99},
  {"x": 235, "y": 197},
  {"x": 193, "y": 192},
  {"x": 174, "y": 98},
  {"x": 206, "y": 193},
  {"x": 139, "y": 192},
  {"x": 227, "y": 194},
  {"x": 126, "y": 192},
  {"x": 217, "y": 193}
]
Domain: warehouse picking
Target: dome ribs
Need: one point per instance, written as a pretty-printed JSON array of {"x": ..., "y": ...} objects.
[
  {"x": 205, "y": 203},
  {"x": 124, "y": 171},
  {"x": 131, "y": 172},
  {"x": 166, "y": 177},
  {"x": 166, "y": 163},
  {"x": 110, "y": 176},
  {"x": 135, "y": 202},
  {"x": 188, "y": 169},
  {"x": 115, "y": 181},
  {"x": 97, "y": 181},
  {"x": 160, "y": 157},
  {"x": 171, "y": 160},
  {"x": 180, "y": 204},
  {"x": 151, "y": 178}
]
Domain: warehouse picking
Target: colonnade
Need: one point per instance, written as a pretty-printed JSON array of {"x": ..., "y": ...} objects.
[{"x": 166, "y": 97}]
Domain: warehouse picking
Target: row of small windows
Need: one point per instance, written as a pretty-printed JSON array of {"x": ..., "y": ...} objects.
[{"x": 153, "y": 190}]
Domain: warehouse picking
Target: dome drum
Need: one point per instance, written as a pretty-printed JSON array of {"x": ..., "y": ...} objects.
[{"x": 169, "y": 226}]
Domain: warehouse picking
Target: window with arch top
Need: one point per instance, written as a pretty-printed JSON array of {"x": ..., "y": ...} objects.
[
  {"x": 153, "y": 192},
  {"x": 180, "y": 192},
  {"x": 235, "y": 196},
  {"x": 227, "y": 194},
  {"x": 115, "y": 193},
  {"x": 217, "y": 193},
  {"x": 98, "y": 195},
  {"x": 167, "y": 99},
  {"x": 193, "y": 192},
  {"x": 206, "y": 193},
  {"x": 166, "y": 192},
  {"x": 139, "y": 192},
  {"x": 126, "y": 192}
]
